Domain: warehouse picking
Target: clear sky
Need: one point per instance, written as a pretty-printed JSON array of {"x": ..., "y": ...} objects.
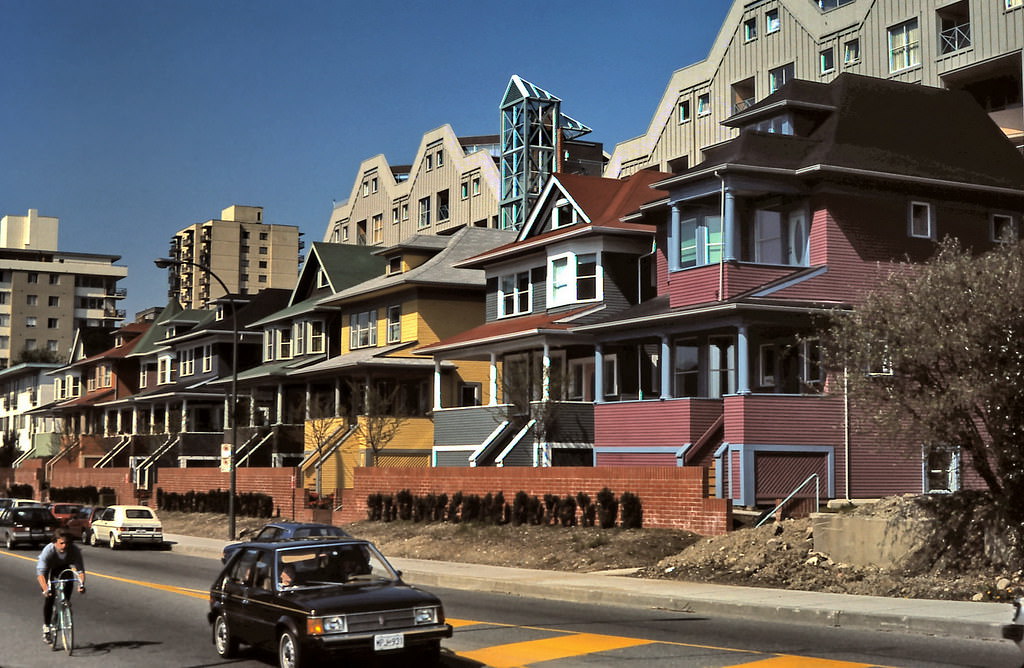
[{"x": 131, "y": 119}]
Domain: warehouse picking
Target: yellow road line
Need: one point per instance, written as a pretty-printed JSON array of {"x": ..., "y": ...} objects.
[
  {"x": 549, "y": 649},
  {"x": 801, "y": 662},
  {"x": 185, "y": 591}
]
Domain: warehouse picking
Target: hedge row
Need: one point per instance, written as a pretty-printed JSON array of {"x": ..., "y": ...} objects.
[
  {"x": 18, "y": 491},
  {"x": 247, "y": 504},
  {"x": 567, "y": 511},
  {"x": 87, "y": 495}
]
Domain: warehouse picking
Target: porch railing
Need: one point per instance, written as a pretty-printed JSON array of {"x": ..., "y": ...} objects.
[
  {"x": 817, "y": 498},
  {"x": 955, "y": 38}
]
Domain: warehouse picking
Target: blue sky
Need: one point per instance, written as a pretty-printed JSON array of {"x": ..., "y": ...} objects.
[{"x": 130, "y": 120}]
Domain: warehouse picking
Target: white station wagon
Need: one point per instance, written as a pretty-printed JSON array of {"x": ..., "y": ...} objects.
[{"x": 126, "y": 525}]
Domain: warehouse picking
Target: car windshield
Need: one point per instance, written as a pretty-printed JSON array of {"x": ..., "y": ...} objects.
[{"x": 303, "y": 568}]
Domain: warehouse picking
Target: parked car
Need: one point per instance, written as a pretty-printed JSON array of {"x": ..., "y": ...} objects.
[
  {"x": 118, "y": 526},
  {"x": 312, "y": 597},
  {"x": 81, "y": 524},
  {"x": 26, "y": 524},
  {"x": 5, "y": 502},
  {"x": 26, "y": 503},
  {"x": 65, "y": 511},
  {"x": 276, "y": 531}
]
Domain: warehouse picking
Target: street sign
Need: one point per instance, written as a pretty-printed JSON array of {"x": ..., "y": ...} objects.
[{"x": 225, "y": 458}]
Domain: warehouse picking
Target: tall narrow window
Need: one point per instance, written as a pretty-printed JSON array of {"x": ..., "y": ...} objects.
[
  {"x": 851, "y": 52},
  {"x": 316, "y": 336},
  {"x": 1004, "y": 228},
  {"x": 779, "y": 76},
  {"x": 827, "y": 59},
  {"x": 395, "y": 324},
  {"x": 921, "y": 220},
  {"x": 424, "y": 220},
  {"x": 686, "y": 367},
  {"x": 772, "y": 23},
  {"x": 721, "y": 367},
  {"x": 904, "y": 46},
  {"x": 514, "y": 294},
  {"x": 750, "y": 29},
  {"x": 684, "y": 111}
]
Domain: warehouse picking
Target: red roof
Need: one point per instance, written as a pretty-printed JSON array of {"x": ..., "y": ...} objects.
[{"x": 526, "y": 325}]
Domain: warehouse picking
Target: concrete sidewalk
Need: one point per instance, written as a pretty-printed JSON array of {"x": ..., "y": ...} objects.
[{"x": 961, "y": 619}]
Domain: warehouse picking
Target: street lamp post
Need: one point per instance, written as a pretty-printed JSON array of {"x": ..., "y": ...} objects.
[{"x": 164, "y": 263}]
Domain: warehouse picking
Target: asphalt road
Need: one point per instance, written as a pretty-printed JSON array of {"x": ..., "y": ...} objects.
[{"x": 147, "y": 608}]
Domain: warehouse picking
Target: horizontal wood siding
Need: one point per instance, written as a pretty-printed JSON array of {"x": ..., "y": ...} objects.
[
  {"x": 574, "y": 423},
  {"x": 673, "y": 423},
  {"x": 635, "y": 459},
  {"x": 777, "y": 474},
  {"x": 735, "y": 475},
  {"x": 784, "y": 420},
  {"x": 466, "y": 426},
  {"x": 620, "y": 280},
  {"x": 452, "y": 458},
  {"x": 672, "y": 497},
  {"x": 692, "y": 286}
]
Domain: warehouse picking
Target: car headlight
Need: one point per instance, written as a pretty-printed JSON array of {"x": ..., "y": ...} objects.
[
  {"x": 316, "y": 626},
  {"x": 425, "y": 615}
]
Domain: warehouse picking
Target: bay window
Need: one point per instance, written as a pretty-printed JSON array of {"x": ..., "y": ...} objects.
[
  {"x": 700, "y": 241},
  {"x": 780, "y": 237},
  {"x": 573, "y": 278}
]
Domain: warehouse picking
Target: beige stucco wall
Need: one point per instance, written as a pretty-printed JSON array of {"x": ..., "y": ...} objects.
[{"x": 866, "y": 541}]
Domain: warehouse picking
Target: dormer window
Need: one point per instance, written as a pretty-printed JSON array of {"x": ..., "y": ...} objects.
[
  {"x": 395, "y": 265},
  {"x": 563, "y": 214},
  {"x": 781, "y": 124},
  {"x": 118, "y": 340},
  {"x": 171, "y": 332},
  {"x": 321, "y": 279},
  {"x": 219, "y": 313}
]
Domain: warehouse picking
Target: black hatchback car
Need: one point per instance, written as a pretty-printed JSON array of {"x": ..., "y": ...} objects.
[
  {"x": 308, "y": 598},
  {"x": 275, "y": 531},
  {"x": 26, "y": 524}
]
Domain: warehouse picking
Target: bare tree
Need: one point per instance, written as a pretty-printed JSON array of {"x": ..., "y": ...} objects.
[
  {"x": 322, "y": 430},
  {"x": 380, "y": 414}
]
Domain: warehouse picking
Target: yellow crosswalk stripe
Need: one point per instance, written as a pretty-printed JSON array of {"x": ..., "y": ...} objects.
[
  {"x": 800, "y": 662},
  {"x": 549, "y": 649}
]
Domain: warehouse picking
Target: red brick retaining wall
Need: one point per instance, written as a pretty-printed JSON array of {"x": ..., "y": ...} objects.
[{"x": 672, "y": 497}]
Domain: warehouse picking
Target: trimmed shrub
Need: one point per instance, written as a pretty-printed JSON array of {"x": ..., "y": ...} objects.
[
  {"x": 520, "y": 508},
  {"x": 632, "y": 511},
  {"x": 567, "y": 511},
  {"x": 607, "y": 508},
  {"x": 404, "y": 500},
  {"x": 455, "y": 507}
]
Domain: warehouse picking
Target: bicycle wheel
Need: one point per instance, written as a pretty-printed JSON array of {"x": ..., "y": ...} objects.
[
  {"x": 55, "y": 626},
  {"x": 67, "y": 628}
]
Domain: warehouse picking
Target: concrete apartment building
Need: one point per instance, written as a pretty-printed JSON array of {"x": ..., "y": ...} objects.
[
  {"x": 242, "y": 250},
  {"x": 477, "y": 181},
  {"x": 46, "y": 295},
  {"x": 971, "y": 45}
]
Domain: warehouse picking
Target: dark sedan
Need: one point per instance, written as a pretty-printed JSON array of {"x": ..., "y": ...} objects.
[
  {"x": 276, "y": 531},
  {"x": 28, "y": 524},
  {"x": 306, "y": 598}
]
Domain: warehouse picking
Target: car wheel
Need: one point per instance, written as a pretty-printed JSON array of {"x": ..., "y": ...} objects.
[
  {"x": 86, "y": 537},
  {"x": 112, "y": 541},
  {"x": 289, "y": 654},
  {"x": 226, "y": 644},
  {"x": 9, "y": 542},
  {"x": 92, "y": 539}
]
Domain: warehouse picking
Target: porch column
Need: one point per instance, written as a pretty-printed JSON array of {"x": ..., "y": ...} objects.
[
  {"x": 493, "y": 381},
  {"x": 309, "y": 401},
  {"x": 545, "y": 386},
  {"x": 167, "y": 417},
  {"x": 184, "y": 416},
  {"x": 729, "y": 225},
  {"x": 437, "y": 384},
  {"x": 106, "y": 423},
  {"x": 135, "y": 419},
  {"x": 673, "y": 238},
  {"x": 224, "y": 413},
  {"x": 337, "y": 397},
  {"x": 252, "y": 408},
  {"x": 666, "y": 368},
  {"x": 120, "y": 422},
  {"x": 742, "y": 361},
  {"x": 280, "y": 404},
  {"x": 598, "y": 374},
  {"x": 152, "y": 418}
]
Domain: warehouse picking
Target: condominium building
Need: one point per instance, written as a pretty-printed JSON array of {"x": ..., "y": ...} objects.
[
  {"x": 46, "y": 295},
  {"x": 238, "y": 248},
  {"x": 971, "y": 45},
  {"x": 477, "y": 181}
]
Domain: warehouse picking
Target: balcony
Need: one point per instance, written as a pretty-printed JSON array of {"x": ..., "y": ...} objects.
[
  {"x": 118, "y": 313},
  {"x": 117, "y": 293},
  {"x": 955, "y": 38},
  {"x": 671, "y": 423}
]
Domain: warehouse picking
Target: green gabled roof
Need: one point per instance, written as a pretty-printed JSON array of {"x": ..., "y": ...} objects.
[
  {"x": 147, "y": 344},
  {"x": 345, "y": 265},
  {"x": 300, "y": 308}
]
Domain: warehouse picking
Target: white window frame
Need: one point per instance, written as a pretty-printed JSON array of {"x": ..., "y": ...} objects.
[
  {"x": 683, "y": 111},
  {"x": 186, "y": 362},
  {"x": 772, "y": 21},
  {"x": 951, "y": 470},
  {"x": 424, "y": 219},
  {"x": 515, "y": 294},
  {"x": 556, "y": 296},
  {"x": 299, "y": 338},
  {"x": 268, "y": 345},
  {"x": 164, "y": 369},
  {"x": 780, "y": 76},
  {"x": 909, "y": 52},
  {"x": 705, "y": 250},
  {"x": 394, "y": 325},
  {"x": 611, "y": 376},
  {"x": 750, "y": 29},
  {"x": 1014, "y": 4},
  {"x": 912, "y": 219},
  {"x": 827, "y": 60},
  {"x": 812, "y": 368},
  {"x": 851, "y": 51},
  {"x": 704, "y": 104},
  {"x": 362, "y": 329},
  {"x": 1003, "y": 221},
  {"x": 283, "y": 343},
  {"x": 563, "y": 206},
  {"x": 317, "y": 336},
  {"x": 207, "y": 358}
]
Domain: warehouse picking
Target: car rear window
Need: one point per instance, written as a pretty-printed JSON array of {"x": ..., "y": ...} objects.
[
  {"x": 138, "y": 514},
  {"x": 26, "y": 514},
  {"x": 65, "y": 510}
]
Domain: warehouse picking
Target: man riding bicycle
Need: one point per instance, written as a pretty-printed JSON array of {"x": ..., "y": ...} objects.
[{"x": 60, "y": 554}]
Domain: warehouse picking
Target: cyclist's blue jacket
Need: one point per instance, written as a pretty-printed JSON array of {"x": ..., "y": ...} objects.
[{"x": 52, "y": 562}]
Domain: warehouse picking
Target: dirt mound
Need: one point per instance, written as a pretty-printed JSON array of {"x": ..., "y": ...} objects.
[{"x": 958, "y": 563}]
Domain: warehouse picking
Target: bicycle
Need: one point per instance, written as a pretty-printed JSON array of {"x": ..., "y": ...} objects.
[{"x": 62, "y": 628}]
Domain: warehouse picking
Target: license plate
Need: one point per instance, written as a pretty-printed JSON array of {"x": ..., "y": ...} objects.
[{"x": 388, "y": 641}]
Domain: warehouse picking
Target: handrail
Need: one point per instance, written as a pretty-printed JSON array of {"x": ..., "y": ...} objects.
[
  {"x": 249, "y": 449},
  {"x": 113, "y": 452},
  {"x": 817, "y": 497}
]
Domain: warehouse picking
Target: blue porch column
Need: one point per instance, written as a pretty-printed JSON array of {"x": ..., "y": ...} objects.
[
  {"x": 666, "y": 368},
  {"x": 598, "y": 374},
  {"x": 729, "y": 225},
  {"x": 742, "y": 361}
]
